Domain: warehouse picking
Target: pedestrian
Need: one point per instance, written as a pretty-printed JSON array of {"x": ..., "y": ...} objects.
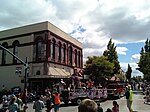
[
  {"x": 129, "y": 97},
  {"x": 108, "y": 110},
  {"x": 13, "y": 106},
  {"x": 4, "y": 103},
  {"x": 56, "y": 100},
  {"x": 49, "y": 102},
  {"x": 87, "y": 105},
  {"x": 19, "y": 102},
  {"x": 62, "y": 85},
  {"x": 38, "y": 105},
  {"x": 99, "y": 108},
  {"x": 115, "y": 107}
]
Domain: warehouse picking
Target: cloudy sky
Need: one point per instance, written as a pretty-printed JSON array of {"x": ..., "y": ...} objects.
[{"x": 92, "y": 22}]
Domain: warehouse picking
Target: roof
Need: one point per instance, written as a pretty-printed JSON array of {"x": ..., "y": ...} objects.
[{"x": 42, "y": 26}]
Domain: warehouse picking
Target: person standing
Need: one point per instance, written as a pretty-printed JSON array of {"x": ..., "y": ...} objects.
[
  {"x": 19, "y": 102},
  {"x": 115, "y": 107},
  {"x": 56, "y": 100},
  {"x": 129, "y": 97},
  {"x": 90, "y": 84},
  {"x": 49, "y": 102},
  {"x": 13, "y": 106},
  {"x": 38, "y": 105}
]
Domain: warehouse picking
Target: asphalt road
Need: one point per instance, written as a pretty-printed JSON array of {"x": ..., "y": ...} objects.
[{"x": 138, "y": 105}]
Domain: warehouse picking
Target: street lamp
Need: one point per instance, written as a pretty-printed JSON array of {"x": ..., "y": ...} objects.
[{"x": 26, "y": 69}]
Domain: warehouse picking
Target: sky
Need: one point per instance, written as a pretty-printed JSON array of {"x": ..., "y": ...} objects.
[{"x": 92, "y": 22}]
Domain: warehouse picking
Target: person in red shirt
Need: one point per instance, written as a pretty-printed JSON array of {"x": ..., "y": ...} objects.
[
  {"x": 56, "y": 97},
  {"x": 89, "y": 84}
]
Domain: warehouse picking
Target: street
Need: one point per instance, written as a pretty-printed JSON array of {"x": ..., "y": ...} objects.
[{"x": 138, "y": 105}]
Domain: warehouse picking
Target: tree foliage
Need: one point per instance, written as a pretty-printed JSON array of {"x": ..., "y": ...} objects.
[
  {"x": 137, "y": 79},
  {"x": 128, "y": 73},
  {"x": 112, "y": 56},
  {"x": 121, "y": 75},
  {"x": 144, "y": 62},
  {"x": 99, "y": 67}
]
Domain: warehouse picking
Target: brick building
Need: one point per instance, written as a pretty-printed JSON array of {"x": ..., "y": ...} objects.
[{"x": 52, "y": 54}]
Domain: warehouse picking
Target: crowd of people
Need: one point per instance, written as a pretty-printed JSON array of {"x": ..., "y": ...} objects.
[
  {"x": 15, "y": 103},
  {"x": 12, "y": 103},
  {"x": 51, "y": 99}
]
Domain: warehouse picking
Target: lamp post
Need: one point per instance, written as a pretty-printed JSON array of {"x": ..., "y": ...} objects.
[{"x": 26, "y": 69}]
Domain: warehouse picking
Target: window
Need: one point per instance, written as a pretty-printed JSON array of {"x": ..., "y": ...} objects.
[
  {"x": 64, "y": 53},
  {"x": 5, "y": 44},
  {"x": 15, "y": 50},
  {"x": 70, "y": 55},
  {"x": 75, "y": 57},
  {"x": 59, "y": 51},
  {"x": 79, "y": 59},
  {"x": 48, "y": 49},
  {"x": 53, "y": 43},
  {"x": 38, "y": 72},
  {"x": 40, "y": 48}
]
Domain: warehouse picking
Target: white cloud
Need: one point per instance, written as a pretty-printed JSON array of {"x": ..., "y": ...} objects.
[
  {"x": 135, "y": 72},
  {"x": 121, "y": 50},
  {"x": 135, "y": 58},
  {"x": 122, "y": 20}
]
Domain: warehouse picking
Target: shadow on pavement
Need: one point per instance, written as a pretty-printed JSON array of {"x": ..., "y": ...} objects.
[{"x": 66, "y": 105}]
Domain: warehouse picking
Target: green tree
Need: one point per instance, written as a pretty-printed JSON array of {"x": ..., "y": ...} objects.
[
  {"x": 144, "y": 62},
  {"x": 99, "y": 67},
  {"x": 112, "y": 56},
  {"x": 128, "y": 73},
  {"x": 121, "y": 75},
  {"x": 137, "y": 78}
]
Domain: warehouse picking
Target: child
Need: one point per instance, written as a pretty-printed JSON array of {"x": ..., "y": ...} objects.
[{"x": 115, "y": 107}]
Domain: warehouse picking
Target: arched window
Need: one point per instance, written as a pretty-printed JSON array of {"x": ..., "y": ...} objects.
[
  {"x": 48, "y": 48},
  {"x": 64, "y": 53},
  {"x": 79, "y": 59},
  {"x": 5, "y": 44},
  {"x": 75, "y": 57},
  {"x": 15, "y": 50},
  {"x": 53, "y": 43},
  {"x": 59, "y": 51},
  {"x": 39, "y": 49},
  {"x": 70, "y": 55}
]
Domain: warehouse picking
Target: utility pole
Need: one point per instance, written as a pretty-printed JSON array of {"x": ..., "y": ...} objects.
[{"x": 26, "y": 66}]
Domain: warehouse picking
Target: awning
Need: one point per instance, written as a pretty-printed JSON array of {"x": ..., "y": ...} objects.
[
  {"x": 61, "y": 72},
  {"x": 58, "y": 72},
  {"x": 54, "y": 73}
]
